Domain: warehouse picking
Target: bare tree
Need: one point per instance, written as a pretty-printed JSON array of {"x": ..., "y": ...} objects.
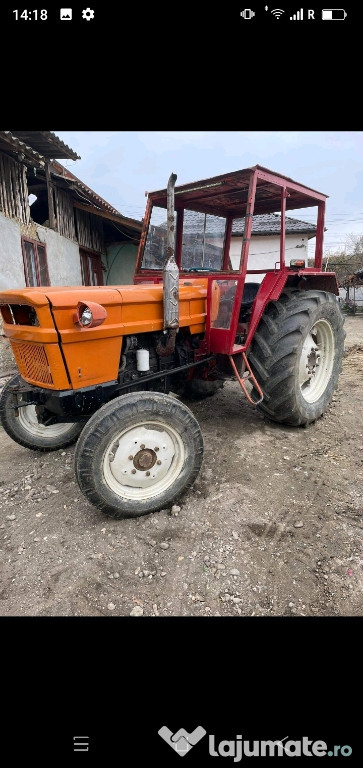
[{"x": 345, "y": 261}]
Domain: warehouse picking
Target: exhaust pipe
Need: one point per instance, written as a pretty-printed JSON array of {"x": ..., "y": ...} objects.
[
  {"x": 170, "y": 279},
  {"x": 170, "y": 271}
]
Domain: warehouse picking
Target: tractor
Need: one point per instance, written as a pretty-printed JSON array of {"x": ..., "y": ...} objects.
[{"x": 110, "y": 367}]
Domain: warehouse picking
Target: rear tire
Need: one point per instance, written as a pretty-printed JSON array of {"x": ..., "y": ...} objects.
[
  {"x": 199, "y": 389},
  {"x": 138, "y": 454},
  {"x": 25, "y": 428},
  {"x": 296, "y": 355}
]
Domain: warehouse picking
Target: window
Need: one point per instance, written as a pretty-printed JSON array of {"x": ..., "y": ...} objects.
[
  {"x": 91, "y": 267},
  {"x": 203, "y": 241},
  {"x": 156, "y": 241},
  {"x": 35, "y": 262}
]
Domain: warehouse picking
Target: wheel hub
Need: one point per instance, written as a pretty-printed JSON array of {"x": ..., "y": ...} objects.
[
  {"x": 145, "y": 459},
  {"x": 316, "y": 361},
  {"x": 312, "y": 361}
]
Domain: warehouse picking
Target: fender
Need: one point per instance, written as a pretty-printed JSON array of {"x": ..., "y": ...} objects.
[{"x": 273, "y": 284}]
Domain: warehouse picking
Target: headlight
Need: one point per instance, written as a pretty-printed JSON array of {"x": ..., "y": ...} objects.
[
  {"x": 86, "y": 316},
  {"x": 89, "y": 315}
]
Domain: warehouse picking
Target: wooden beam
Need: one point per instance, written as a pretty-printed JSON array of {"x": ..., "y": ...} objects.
[
  {"x": 105, "y": 215},
  {"x": 52, "y": 220}
]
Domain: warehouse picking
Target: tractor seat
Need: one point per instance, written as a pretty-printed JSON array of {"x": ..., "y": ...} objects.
[{"x": 249, "y": 294}]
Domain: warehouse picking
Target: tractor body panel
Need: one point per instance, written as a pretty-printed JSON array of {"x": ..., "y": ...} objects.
[{"x": 58, "y": 354}]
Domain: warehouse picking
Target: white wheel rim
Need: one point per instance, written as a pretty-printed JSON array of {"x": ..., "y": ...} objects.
[
  {"x": 316, "y": 361},
  {"x": 143, "y": 460},
  {"x": 29, "y": 422}
]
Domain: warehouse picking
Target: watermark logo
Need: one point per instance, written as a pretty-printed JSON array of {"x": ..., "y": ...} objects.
[{"x": 182, "y": 741}]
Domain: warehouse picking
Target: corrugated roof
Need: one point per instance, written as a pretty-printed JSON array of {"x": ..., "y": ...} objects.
[
  {"x": 47, "y": 144},
  {"x": 16, "y": 147}
]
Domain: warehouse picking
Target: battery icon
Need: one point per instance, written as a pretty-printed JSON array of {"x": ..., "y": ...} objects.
[{"x": 335, "y": 14}]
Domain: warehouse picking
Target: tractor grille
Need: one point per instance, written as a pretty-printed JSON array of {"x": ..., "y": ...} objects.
[{"x": 32, "y": 362}]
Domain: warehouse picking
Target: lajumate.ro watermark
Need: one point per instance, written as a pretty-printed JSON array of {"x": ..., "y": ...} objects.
[{"x": 182, "y": 742}]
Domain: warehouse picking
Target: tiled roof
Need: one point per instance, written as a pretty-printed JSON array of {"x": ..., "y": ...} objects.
[
  {"x": 269, "y": 224},
  {"x": 262, "y": 225}
]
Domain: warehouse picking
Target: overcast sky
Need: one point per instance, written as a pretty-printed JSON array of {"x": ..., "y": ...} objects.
[{"x": 121, "y": 165}]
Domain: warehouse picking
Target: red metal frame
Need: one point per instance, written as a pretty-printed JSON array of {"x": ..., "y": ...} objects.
[
  {"x": 220, "y": 195},
  {"x": 227, "y": 243}
]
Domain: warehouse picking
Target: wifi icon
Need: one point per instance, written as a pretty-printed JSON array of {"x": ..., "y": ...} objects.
[{"x": 277, "y": 12}]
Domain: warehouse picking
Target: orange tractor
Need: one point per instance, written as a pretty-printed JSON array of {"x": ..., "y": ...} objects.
[{"x": 108, "y": 366}]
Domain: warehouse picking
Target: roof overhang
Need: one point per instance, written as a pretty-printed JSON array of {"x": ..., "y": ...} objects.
[
  {"x": 47, "y": 144},
  {"x": 20, "y": 151}
]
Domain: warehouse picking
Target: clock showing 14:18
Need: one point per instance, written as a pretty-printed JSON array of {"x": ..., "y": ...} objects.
[{"x": 30, "y": 15}]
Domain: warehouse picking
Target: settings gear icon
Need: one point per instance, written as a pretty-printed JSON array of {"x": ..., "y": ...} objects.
[{"x": 88, "y": 14}]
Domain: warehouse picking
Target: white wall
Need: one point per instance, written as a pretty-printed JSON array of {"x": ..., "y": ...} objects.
[
  {"x": 11, "y": 257},
  {"x": 64, "y": 264},
  {"x": 265, "y": 251}
]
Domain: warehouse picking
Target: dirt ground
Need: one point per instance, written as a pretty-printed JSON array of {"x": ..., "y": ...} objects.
[{"x": 273, "y": 525}]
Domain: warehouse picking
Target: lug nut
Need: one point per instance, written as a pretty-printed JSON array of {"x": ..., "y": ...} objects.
[
  {"x": 156, "y": 448},
  {"x": 158, "y": 462},
  {"x": 133, "y": 471},
  {"x": 131, "y": 457},
  {"x": 147, "y": 474},
  {"x": 142, "y": 447}
]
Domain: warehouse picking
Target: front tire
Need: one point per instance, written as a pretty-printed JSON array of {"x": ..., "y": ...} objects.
[
  {"x": 138, "y": 454},
  {"x": 296, "y": 355},
  {"x": 25, "y": 428}
]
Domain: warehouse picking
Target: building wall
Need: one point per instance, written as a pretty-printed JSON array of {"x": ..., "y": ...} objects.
[
  {"x": 120, "y": 262},
  {"x": 62, "y": 254},
  {"x": 265, "y": 251},
  {"x": 11, "y": 257},
  {"x": 64, "y": 264}
]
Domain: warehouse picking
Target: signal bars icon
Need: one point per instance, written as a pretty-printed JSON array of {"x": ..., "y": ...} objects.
[{"x": 298, "y": 16}]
